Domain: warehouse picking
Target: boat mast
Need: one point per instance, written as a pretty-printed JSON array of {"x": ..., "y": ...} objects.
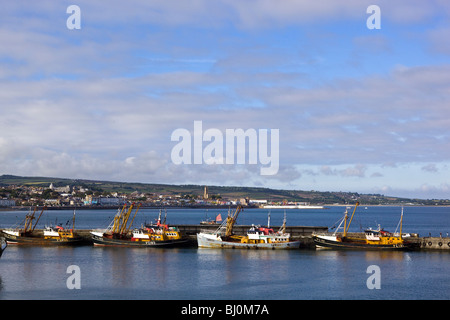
[
  {"x": 123, "y": 229},
  {"x": 159, "y": 217},
  {"x": 401, "y": 223},
  {"x": 345, "y": 221},
  {"x": 45, "y": 207},
  {"x": 121, "y": 220},
  {"x": 340, "y": 224},
  {"x": 131, "y": 223},
  {"x": 28, "y": 219},
  {"x": 348, "y": 226},
  {"x": 283, "y": 227},
  {"x": 117, "y": 218},
  {"x": 231, "y": 219}
]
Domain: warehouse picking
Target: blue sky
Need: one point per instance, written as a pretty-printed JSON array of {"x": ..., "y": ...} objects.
[{"x": 358, "y": 109}]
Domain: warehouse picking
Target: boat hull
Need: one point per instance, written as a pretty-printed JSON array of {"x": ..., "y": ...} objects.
[
  {"x": 99, "y": 240},
  {"x": 205, "y": 242},
  {"x": 329, "y": 242},
  {"x": 41, "y": 241}
]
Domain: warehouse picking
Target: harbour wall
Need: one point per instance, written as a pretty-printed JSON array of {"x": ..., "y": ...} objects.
[
  {"x": 295, "y": 231},
  {"x": 435, "y": 243}
]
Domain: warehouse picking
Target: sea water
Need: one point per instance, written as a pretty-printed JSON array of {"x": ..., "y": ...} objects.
[{"x": 33, "y": 272}]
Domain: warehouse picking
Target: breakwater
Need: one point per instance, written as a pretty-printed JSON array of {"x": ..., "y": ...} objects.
[
  {"x": 295, "y": 231},
  {"x": 435, "y": 243}
]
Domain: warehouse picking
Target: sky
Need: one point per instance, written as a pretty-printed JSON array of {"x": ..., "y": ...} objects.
[{"x": 357, "y": 109}]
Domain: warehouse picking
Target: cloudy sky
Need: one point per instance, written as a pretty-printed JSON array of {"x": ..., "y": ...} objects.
[{"x": 358, "y": 109}]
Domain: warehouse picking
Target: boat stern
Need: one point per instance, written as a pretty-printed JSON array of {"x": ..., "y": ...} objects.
[{"x": 208, "y": 240}]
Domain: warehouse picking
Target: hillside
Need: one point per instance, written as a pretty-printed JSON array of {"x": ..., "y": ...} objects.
[{"x": 313, "y": 197}]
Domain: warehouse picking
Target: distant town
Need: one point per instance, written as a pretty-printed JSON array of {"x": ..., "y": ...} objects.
[
  {"x": 79, "y": 196},
  {"x": 20, "y": 192}
]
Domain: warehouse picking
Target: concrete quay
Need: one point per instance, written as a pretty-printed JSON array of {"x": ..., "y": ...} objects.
[
  {"x": 435, "y": 243},
  {"x": 295, "y": 231}
]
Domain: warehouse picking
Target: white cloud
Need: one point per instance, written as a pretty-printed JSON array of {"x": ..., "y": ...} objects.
[
  {"x": 102, "y": 102},
  {"x": 112, "y": 120},
  {"x": 430, "y": 168}
]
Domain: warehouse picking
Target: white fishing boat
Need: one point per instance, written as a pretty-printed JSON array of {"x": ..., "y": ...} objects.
[{"x": 257, "y": 237}]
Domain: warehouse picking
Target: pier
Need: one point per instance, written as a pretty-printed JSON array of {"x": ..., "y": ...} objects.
[
  {"x": 295, "y": 231},
  {"x": 435, "y": 243}
]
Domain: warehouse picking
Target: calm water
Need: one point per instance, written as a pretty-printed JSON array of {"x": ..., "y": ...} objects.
[{"x": 192, "y": 273}]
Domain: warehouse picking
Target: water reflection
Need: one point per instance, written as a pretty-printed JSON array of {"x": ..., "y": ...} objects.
[
  {"x": 374, "y": 255},
  {"x": 192, "y": 273},
  {"x": 147, "y": 271},
  {"x": 29, "y": 268},
  {"x": 244, "y": 271}
]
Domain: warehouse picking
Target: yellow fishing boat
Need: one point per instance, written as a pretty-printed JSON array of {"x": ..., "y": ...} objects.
[
  {"x": 370, "y": 239},
  {"x": 120, "y": 233},
  {"x": 49, "y": 236}
]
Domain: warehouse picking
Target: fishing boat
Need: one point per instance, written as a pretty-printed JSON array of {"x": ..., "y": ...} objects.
[
  {"x": 378, "y": 239},
  {"x": 216, "y": 221},
  {"x": 119, "y": 232},
  {"x": 257, "y": 237},
  {"x": 49, "y": 236}
]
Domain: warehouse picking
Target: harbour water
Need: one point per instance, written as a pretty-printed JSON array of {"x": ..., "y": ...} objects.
[{"x": 32, "y": 272}]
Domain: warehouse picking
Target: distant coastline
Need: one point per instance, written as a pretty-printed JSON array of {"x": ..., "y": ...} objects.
[
  {"x": 206, "y": 207},
  {"x": 63, "y": 193},
  {"x": 21, "y": 208}
]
